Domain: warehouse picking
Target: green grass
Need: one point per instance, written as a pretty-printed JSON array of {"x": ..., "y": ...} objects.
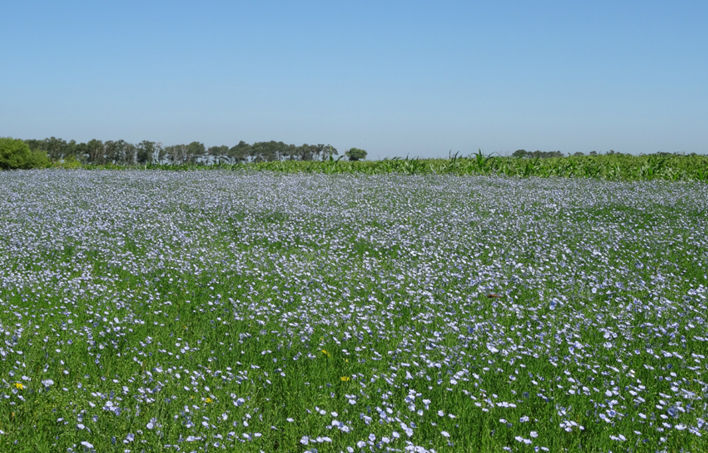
[{"x": 204, "y": 299}]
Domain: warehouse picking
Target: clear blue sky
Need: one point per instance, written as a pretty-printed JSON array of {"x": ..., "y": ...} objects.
[{"x": 397, "y": 78}]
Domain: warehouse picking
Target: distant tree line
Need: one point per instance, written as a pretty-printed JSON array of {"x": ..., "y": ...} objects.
[
  {"x": 547, "y": 154},
  {"x": 120, "y": 152},
  {"x": 536, "y": 154}
]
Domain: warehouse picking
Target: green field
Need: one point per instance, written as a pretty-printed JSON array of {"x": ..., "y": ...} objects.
[
  {"x": 612, "y": 167},
  {"x": 268, "y": 311}
]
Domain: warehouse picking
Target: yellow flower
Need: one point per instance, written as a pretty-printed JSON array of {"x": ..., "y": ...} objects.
[
  {"x": 19, "y": 385},
  {"x": 208, "y": 400},
  {"x": 344, "y": 378},
  {"x": 324, "y": 351}
]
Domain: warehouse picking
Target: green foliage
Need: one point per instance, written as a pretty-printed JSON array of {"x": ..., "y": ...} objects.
[
  {"x": 355, "y": 154},
  {"x": 613, "y": 167},
  {"x": 16, "y": 154},
  {"x": 70, "y": 162},
  {"x": 288, "y": 158}
]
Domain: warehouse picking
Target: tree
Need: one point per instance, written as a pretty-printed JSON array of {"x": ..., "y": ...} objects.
[
  {"x": 305, "y": 152},
  {"x": 15, "y": 153},
  {"x": 356, "y": 154},
  {"x": 290, "y": 152},
  {"x": 131, "y": 153},
  {"x": 95, "y": 150},
  {"x": 218, "y": 154},
  {"x": 218, "y": 150},
  {"x": 194, "y": 150},
  {"x": 327, "y": 151},
  {"x": 175, "y": 154},
  {"x": 55, "y": 147},
  {"x": 240, "y": 152},
  {"x": 260, "y": 151},
  {"x": 118, "y": 151},
  {"x": 146, "y": 151}
]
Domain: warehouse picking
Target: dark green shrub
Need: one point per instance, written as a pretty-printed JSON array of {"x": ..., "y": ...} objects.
[
  {"x": 355, "y": 154},
  {"x": 16, "y": 154}
]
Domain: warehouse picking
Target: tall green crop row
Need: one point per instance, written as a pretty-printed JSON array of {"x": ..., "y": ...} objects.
[{"x": 615, "y": 167}]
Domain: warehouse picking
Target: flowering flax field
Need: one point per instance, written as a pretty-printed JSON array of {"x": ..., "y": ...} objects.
[{"x": 215, "y": 310}]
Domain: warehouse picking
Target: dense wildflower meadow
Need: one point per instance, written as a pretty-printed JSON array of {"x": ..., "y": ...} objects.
[{"x": 256, "y": 311}]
